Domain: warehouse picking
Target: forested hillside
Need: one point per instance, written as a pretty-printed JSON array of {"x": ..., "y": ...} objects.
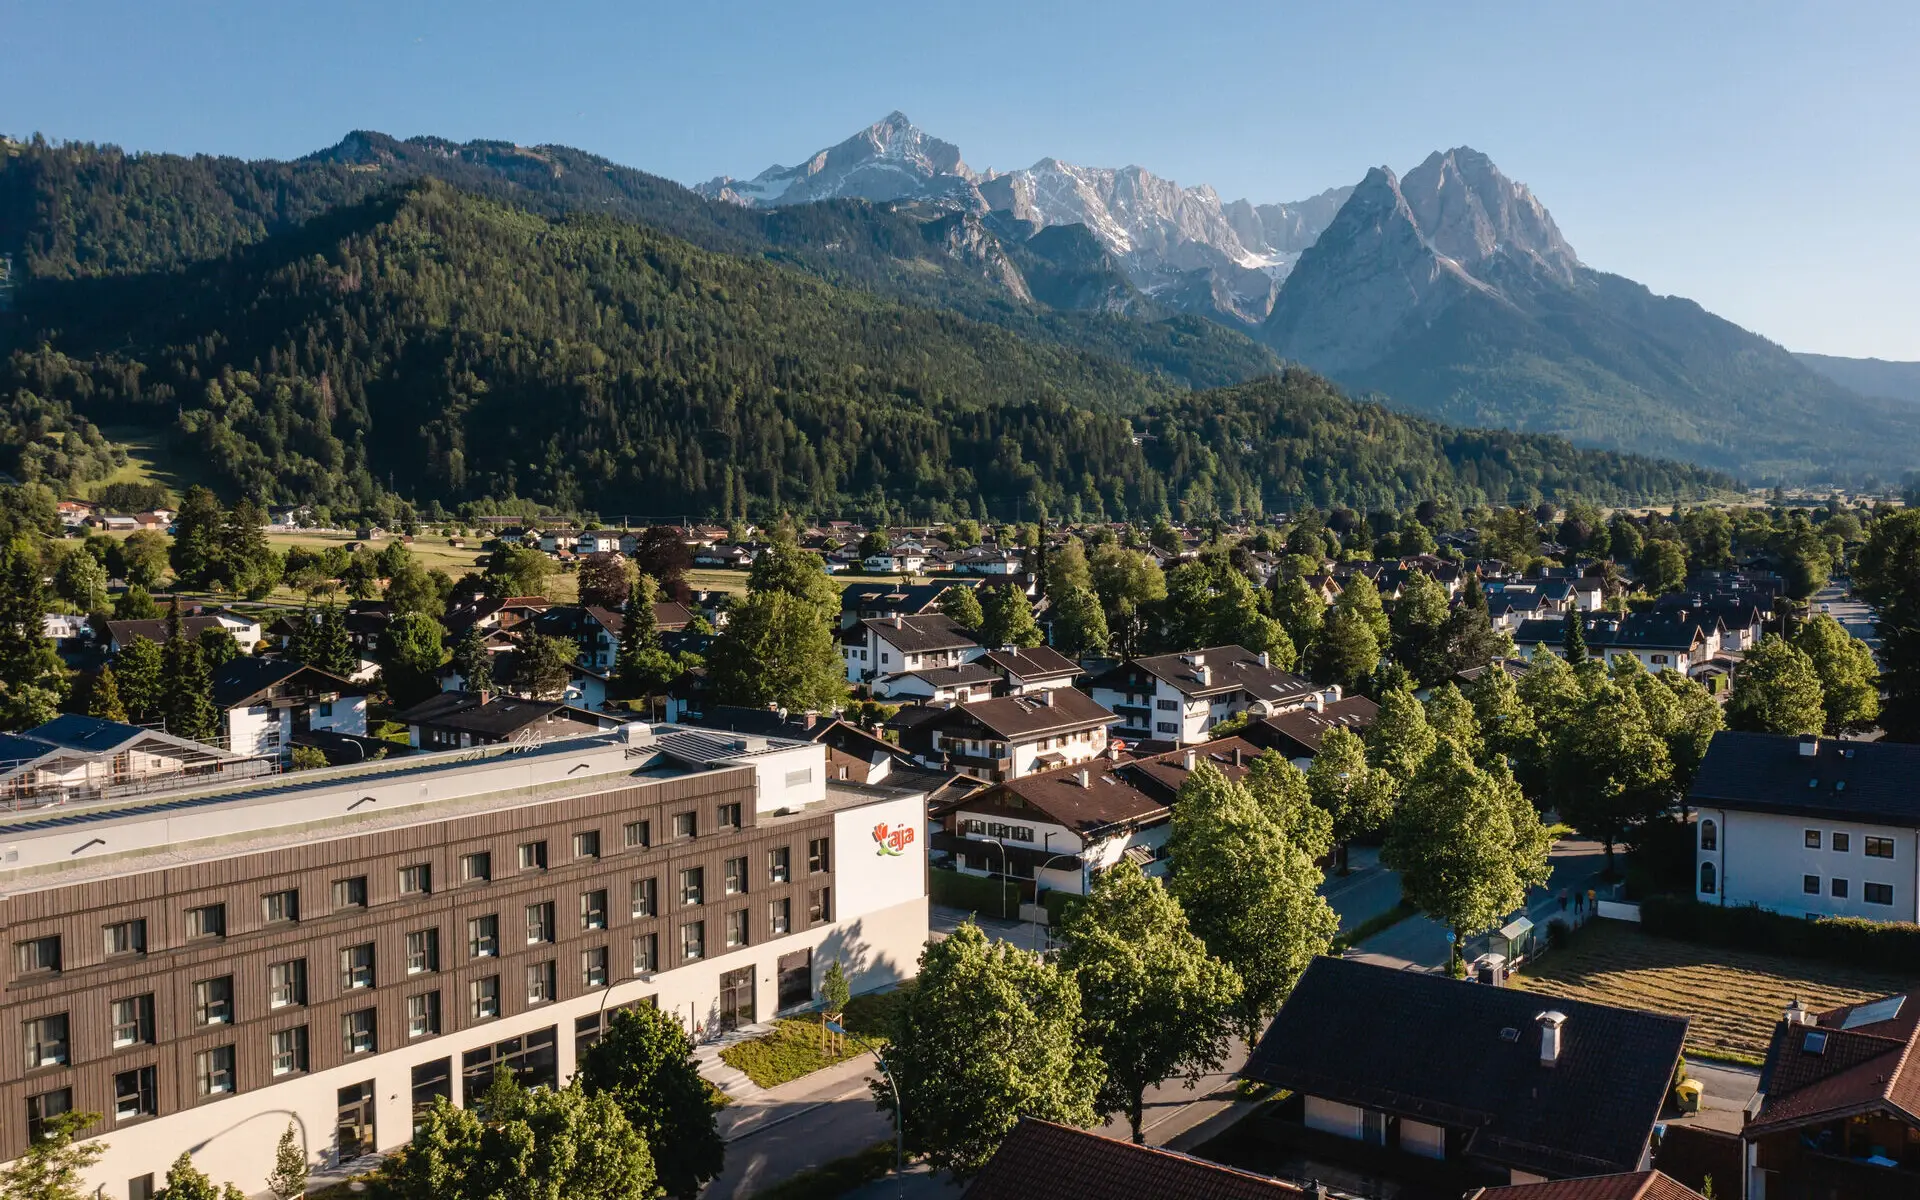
[{"x": 450, "y": 348}]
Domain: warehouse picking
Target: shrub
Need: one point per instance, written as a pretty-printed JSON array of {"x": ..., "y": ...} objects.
[{"x": 1853, "y": 941}]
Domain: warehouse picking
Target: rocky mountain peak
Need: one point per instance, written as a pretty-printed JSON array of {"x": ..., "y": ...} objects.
[{"x": 1470, "y": 212}]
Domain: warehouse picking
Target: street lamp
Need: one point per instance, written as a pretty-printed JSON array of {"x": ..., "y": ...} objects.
[
  {"x": 899, "y": 1109},
  {"x": 1004, "y": 873},
  {"x": 1047, "y": 844}
]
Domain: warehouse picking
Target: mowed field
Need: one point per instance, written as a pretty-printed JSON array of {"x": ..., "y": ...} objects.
[{"x": 1733, "y": 997}]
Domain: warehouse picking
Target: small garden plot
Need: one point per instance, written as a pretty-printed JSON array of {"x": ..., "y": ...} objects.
[{"x": 794, "y": 1047}]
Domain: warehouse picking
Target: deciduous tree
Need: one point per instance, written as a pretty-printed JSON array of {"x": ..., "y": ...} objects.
[
  {"x": 1156, "y": 1006},
  {"x": 961, "y": 605},
  {"x": 1079, "y": 624},
  {"x": 644, "y": 1062},
  {"x": 1777, "y": 690},
  {"x": 1007, "y": 618},
  {"x": 1849, "y": 678},
  {"x": 411, "y": 650},
  {"x": 778, "y": 651},
  {"x": 54, "y": 1165}
]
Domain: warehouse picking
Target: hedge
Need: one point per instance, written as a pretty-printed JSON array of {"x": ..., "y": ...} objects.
[
  {"x": 1059, "y": 903},
  {"x": 1852, "y": 941},
  {"x": 975, "y": 893}
]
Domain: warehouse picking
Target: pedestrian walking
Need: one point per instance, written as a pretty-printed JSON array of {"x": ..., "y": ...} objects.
[{"x": 1563, "y": 899}]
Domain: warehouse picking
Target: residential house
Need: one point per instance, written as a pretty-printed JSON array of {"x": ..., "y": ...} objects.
[
  {"x": 1012, "y": 736},
  {"x": 599, "y": 541},
  {"x": 74, "y": 513},
  {"x": 1626, "y": 1185},
  {"x": 941, "y": 686},
  {"x": 556, "y": 541},
  {"x": 863, "y": 601},
  {"x": 1838, "y": 1108},
  {"x": 671, "y": 616},
  {"x": 491, "y": 613},
  {"x": 456, "y": 720},
  {"x": 75, "y": 758},
  {"x": 726, "y": 555},
  {"x": 1296, "y": 734},
  {"x": 1809, "y": 826},
  {"x": 245, "y": 630},
  {"x": 853, "y": 754},
  {"x": 266, "y": 704},
  {"x": 897, "y": 561},
  {"x": 876, "y": 647},
  {"x": 986, "y": 560},
  {"x": 1040, "y": 1158},
  {"x": 1179, "y": 698},
  {"x": 1669, "y": 640},
  {"x": 1030, "y": 670},
  {"x": 65, "y": 627},
  {"x": 595, "y": 630},
  {"x": 1400, "y": 1075}
]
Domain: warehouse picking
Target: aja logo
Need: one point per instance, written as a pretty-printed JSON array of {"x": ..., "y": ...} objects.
[{"x": 892, "y": 839}]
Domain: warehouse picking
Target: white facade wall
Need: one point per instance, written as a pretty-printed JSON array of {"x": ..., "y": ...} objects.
[
  {"x": 1418, "y": 1137},
  {"x": 1331, "y": 1116},
  {"x": 1764, "y": 859}
]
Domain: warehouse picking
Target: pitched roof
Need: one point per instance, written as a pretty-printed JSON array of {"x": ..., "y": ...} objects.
[
  {"x": 122, "y": 632},
  {"x": 1670, "y": 629},
  {"x": 1107, "y": 798},
  {"x": 1302, "y": 728},
  {"x": 1035, "y": 662},
  {"x": 1016, "y": 718},
  {"x": 1629, "y": 1185},
  {"x": 1228, "y": 669},
  {"x": 1040, "y": 1158},
  {"x": 1439, "y": 1050},
  {"x": 246, "y": 678},
  {"x": 1163, "y": 773},
  {"x": 919, "y": 635},
  {"x": 905, "y": 598},
  {"x": 965, "y": 673},
  {"x": 500, "y": 716},
  {"x": 1853, "y": 1059},
  {"x": 1765, "y": 772}
]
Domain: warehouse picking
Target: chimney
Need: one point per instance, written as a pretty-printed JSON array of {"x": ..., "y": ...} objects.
[
  {"x": 1236, "y": 756},
  {"x": 1204, "y": 674},
  {"x": 1044, "y": 697},
  {"x": 1188, "y": 760},
  {"x": 1263, "y": 659},
  {"x": 899, "y": 622},
  {"x": 1797, "y": 1013},
  {"x": 1086, "y": 778},
  {"x": 1552, "y": 1033},
  {"x": 1809, "y": 745}
]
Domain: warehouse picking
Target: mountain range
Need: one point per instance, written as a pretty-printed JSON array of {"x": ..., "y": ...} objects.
[
  {"x": 1870, "y": 376},
  {"x": 1450, "y": 291}
]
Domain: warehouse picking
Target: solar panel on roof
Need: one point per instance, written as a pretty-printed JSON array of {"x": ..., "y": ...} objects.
[{"x": 1874, "y": 1013}]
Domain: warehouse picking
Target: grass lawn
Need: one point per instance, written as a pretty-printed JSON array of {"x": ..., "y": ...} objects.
[
  {"x": 432, "y": 552},
  {"x": 793, "y": 1047},
  {"x": 1733, "y": 997},
  {"x": 149, "y": 460}
]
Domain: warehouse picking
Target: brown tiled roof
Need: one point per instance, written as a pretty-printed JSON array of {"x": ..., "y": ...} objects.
[
  {"x": 1020, "y": 717},
  {"x": 919, "y": 635},
  {"x": 1631, "y": 1185},
  {"x": 1228, "y": 668},
  {"x": 1040, "y": 1158},
  {"x": 1027, "y": 664},
  {"x": 1107, "y": 798},
  {"x": 1694, "y": 1154},
  {"x": 1439, "y": 1050},
  {"x": 1163, "y": 773},
  {"x": 1825, "y": 1070},
  {"x": 1302, "y": 729}
]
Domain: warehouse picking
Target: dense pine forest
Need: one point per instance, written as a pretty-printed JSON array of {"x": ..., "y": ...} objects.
[{"x": 313, "y": 332}]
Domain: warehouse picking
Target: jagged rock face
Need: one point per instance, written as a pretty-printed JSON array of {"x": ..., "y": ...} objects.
[
  {"x": 1180, "y": 245},
  {"x": 1470, "y": 212}
]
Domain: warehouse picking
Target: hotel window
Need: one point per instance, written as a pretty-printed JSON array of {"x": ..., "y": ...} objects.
[
  {"x": 125, "y": 937},
  {"x": 423, "y": 951},
  {"x": 1810, "y": 884},
  {"x": 209, "y": 920},
  {"x": 46, "y": 1041},
  {"x": 423, "y": 1014},
  {"x": 779, "y": 865},
  {"x": 593, "y": 909},
  {"x": 727, "y": 816},
  {"x": 280, "y": 907},
  {"x": 639, "y": 834},
  {"x": 37, "y": 956},
  {"x": 133, "y": 1021},
  {"x": 213, "y": 1001},
  {"x": 737, "y": 928},
  {"x": 1842, "y": 842},
  {"x": 819, "y": 855},
  {"x": 685, "y": 825},
  {"x": 483, "y": 937},
  {"x": 45, "y": 1107},
  {"x": 356, "y": 967},
  {"x": 593, "y": 967},
  {"x": 644, "y": 897},
  {"x": 693, "y": 941},
  {"x": 357, "y": 1032},
  {"x": 1877, "y": 893},
  {"x": 289, "y": 1048},
  {"x": 735, "y": 873},
  {"x": 213, "y": 1071},
  {"x": 287, "y": 984},
  {"x": 1878, "y": 847},
  {"x": 587, "y": 845},
  {"x": 539, "y": 923},
  {"x": 475, "y": 868},
  {"x": 540, "y": 983},
  {"x": 646, "y": 952},
  {"x": 416, "y": 880},
  {"x": 692, "y": 885},
  {"x": 135, "y": 1094},
  {"x": 1840, "y": 889},
  {"x": 1813, "y": 839},
  {"x": 350, "y": 893},
  {"x": 483, "y": 998},
  {"x": 533, "y": 856},
  {"x": 819, "y": 906},
  {"x": 780, "y": 917}
]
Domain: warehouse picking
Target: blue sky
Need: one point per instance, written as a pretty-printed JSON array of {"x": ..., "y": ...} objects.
[{"x": 1761, "y": 158}]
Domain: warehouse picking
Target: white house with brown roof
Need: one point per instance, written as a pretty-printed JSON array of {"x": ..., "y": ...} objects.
[
  {"x": 893, "y": 645},
  {"x": 1012, "y": 736},
  {"x": 1180, "y": 697}
]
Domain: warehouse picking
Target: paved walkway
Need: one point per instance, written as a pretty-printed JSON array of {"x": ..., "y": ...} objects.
[{"x": 778, "y": 1132}]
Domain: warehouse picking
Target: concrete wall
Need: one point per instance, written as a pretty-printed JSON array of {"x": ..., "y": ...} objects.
[{"x": 1763, "y": 858}]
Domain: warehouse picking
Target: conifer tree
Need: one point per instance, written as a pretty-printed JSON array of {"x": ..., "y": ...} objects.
[
  {"x": 472, "y": 661},
  {"x": 103, "y": 700},
  {"x": 186, "y": 690},
  {"x": 288, "y": 1179}
]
